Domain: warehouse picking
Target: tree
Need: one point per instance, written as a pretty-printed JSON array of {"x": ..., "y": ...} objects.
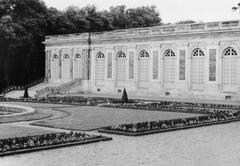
[
  {"x": 143, "y": 16},
  {"x": 124, "y": 96},
  {"x": 236, "y": 7},
  {"x": 186, "y": 22},
  {"x": 26, "y": 93},
  {"x": 24, "y": 24},
  {"x": 134, "y": 17}
]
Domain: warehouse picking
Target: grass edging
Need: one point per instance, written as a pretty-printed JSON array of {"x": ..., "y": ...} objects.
[
  {"x": 109, "y": 131},
  {"x": 48, "y": 147}
]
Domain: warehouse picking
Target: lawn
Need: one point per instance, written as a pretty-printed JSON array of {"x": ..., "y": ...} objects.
[
  {"x": 15, "y": 130},
  {"x": 88, "y": 118}
]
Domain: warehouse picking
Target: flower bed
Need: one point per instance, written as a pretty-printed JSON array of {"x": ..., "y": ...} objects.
[
  {"x": 143, "y": 128},
  {"x": 74, "y": 100},
  {"x": 46, "y": 141},
  {"x": 199, "y": 108}
]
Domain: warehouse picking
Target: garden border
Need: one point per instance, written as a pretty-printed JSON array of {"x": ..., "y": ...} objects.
[
  {"x": 48, "y": 147},
  {"x": 109, "y": 131}
]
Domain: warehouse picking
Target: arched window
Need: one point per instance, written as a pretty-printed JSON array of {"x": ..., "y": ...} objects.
[
  {"x": 169, "y": 69},
  {"x": 230, "y": 52},
  {"x": 197, "y": 69},
  {"x": 121, "y": 54},
  {"x": 66, "y": 56},
  {"x": 229, "y": 68},
  {"x": 55, "y": 68},
  {"x": 197, "y": 52},
  {"x": 143, "y": 69},
  {"x": 55, "y": 56},
  {"x": 66, "y": 68},
  {"x": 169, "y": 53},
  {"x": 77, "y": 56},
  {"x": 143, "y": 54},
  {"x": 100, "y": 67},
  {"x": 121, "y": 65},
  {"x": 77, "y": 66},
  {"x": 100, "y": 55}
]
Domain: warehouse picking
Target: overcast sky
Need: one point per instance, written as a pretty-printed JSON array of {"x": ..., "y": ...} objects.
[{"x": 170, "y": 10}]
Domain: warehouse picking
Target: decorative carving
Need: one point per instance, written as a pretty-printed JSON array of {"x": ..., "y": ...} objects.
[
  {"x": 225, "y": 44},
  {"x": 139, "y": 48}
]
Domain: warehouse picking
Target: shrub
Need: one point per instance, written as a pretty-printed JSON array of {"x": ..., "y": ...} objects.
[
  {"x": 26, "y": 93},
  {"x": 124, "y": 96}
]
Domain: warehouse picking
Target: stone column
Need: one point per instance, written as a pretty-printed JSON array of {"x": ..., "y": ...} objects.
[
  {"x": 136, "y": 67},
  {"x": 188, "y": 68},
  {"x": 71, "y": 63},
  {"x": 161, "y": 68},
  {"x": 49, "y": 65},
  {"x": 219, "y": 67},
  {"x": 114, "y": 69},
  {"x": 60, "y": 64},
  {"x": 46, "y": 65}
]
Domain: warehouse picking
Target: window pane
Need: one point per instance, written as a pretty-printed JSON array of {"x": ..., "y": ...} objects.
[
  {"x": 155, "y": 65},
  {"x": 109, "y": 65},
  {"x": 182, "y": 64},
  {"x": 131, "y": 65},
  {"x": 212, "y": 65}
]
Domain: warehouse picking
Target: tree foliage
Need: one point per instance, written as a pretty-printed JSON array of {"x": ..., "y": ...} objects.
[
  {"x": 24, "y": 24},
  {"x": 186, "y": 22}
]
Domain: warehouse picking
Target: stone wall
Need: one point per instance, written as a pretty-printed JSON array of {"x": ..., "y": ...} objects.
[{"x": 195, "y": 60}]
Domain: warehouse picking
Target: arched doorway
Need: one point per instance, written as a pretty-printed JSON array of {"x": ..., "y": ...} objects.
[
  {"x": 121, "y": 65},
  {"x": 66, "y": 67},
  {"x": 77, "y": 66},
  {"x": 55, "y": 68},
  {"x": 169, "y": 69},
  {"x": 143, "y": 69},
  {"x": 197, "y": 69},
  {"x": 229, "y": 68},
  {"x": 100, "y": 67}
]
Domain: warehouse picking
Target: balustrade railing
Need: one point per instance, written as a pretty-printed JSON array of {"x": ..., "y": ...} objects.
[
  {"x": 67, "y": 85},
  {"x": 59, "y": 89},
  {"x": 16, "y": 87},
  {"x": 148, "y": 31}
]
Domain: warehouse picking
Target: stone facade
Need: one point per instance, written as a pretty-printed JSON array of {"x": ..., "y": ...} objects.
[{"x": 191, "y": 60}]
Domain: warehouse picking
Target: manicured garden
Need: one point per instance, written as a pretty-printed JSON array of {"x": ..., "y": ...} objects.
[
  {"x": 149, "y": 127},
  {"x": 92, "y": 117},
  {"x": 215, "y": 114}
]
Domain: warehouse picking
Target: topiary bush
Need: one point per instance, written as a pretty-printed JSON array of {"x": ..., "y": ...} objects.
[
  {"x": 26, "y": 93},
  {"x": 124, "y": 96}
]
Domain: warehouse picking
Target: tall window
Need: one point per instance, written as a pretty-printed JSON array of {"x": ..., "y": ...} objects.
[
  {"x": 121, "y": 68},
  {"x": 143, "y": 69},
  {"x": 182, "y": 64},
  {"x": 55, "y": 67},
  {"x": 197, "y": 69},
  {"x": 66, "y": 67},
  {"x": 100, "y": 66},
  {"x": 109, "y": 65},
  {"x": 155, "y": 65},
  {"x": 230, "y": 63},
  {"x": 131, "y": 65},
  {"x": 169, "y": 62},
  {"x": 77, "y": 66},
  {"x": 212, "y": 65}
]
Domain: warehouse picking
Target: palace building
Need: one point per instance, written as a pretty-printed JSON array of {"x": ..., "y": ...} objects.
[{"x": 199, "y": 60}]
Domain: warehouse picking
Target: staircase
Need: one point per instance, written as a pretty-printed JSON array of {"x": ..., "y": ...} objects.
[
  {"x": 64, "y": 88},
  {"x": 31, "y": 91}
]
